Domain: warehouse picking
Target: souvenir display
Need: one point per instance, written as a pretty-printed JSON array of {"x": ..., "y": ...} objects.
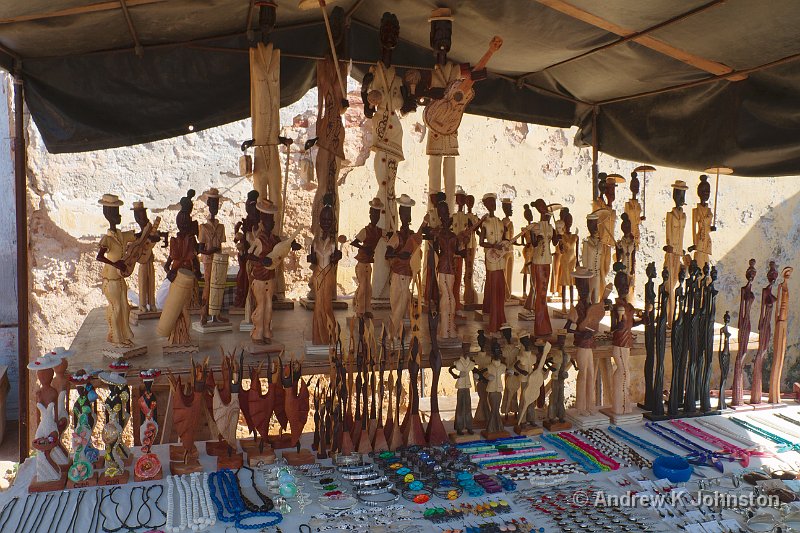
[
  {"x": 746, "y": 298},
  {"x": 567, "y": 258},
  {"x": 51, "y": 461},
  {"x": 118, "y": 412},
  {"x": 148, "y": 465},
  {"x": 779, "y": 347},
  {"x": 146, "y": 273},
  {"x": 508, "y": 234},
  {"x": 764, "y": 334},
  {"x": 366, "y": 241},
  {"x": 702, "y": 224},
  {"x": 186, "y": 408},
  {"x": 385, "y": 95},
  {"x": 591, "y": 258},
  {"x": 675, "y": 226},
  {"x": 183, "y": 271},
  {"x": 118, "y": 253},
  {"x": 495, "y": 247},
  {"x": 323, "y": 256},
  {"x": 211, "y": 237}
]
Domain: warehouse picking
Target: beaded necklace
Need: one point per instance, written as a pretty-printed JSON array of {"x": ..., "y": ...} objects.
[
  {"x": 739, "y": 453},
  {"x": 232, "y": 502},
  {"x": 783, "y": 444},
  {"x": 610, "y": 447},
  {"x": 589, "y": 464},
  {"x": 590, "y": 450},
  {"x": 649, "y": 447},
  {"x": 787, "y": 430},
  {"x": 722, "y": 430},
  {"x": 697, "y": 454}
]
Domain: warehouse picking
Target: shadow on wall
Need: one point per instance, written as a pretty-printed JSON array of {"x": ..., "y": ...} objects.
[{"x": 775, "y": 236}]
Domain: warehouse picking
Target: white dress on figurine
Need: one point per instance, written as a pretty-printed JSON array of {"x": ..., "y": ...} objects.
[{"x": 45, "y": 471}]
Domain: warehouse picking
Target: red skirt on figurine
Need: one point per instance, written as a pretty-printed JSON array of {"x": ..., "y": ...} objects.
[{"x": 494, "y": 299}]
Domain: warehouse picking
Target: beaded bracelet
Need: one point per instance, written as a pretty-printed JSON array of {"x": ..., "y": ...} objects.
[
  {"x": 417, "y": 496},
  {"x": 277, "y": 518},
  {"x": 379, "y": 499}
]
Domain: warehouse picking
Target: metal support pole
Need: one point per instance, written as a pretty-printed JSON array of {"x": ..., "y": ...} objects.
[
  {"x": 595, "y": 152},
  {"x": 23, "y": 292}
]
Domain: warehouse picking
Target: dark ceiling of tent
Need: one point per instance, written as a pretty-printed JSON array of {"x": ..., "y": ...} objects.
[{"x": 87, "y": 89}]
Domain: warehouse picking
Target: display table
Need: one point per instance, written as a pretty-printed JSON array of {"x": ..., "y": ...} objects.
[{"x": 596, "y": 488}]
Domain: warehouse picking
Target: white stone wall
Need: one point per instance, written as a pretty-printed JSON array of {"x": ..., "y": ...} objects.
[{"x": 758, "y": 217}]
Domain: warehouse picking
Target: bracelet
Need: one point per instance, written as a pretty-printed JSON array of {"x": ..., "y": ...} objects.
[
  {"x": 448, "y": 493},
  {"x": 370, "y": 481},
  {"x": 315, "y": 470},
  {"x": 356, "y": 468},
  {"x": 383, "y": 498},
  {"x": 379, "y": 489},
  {"x": 417, "y": 495},
  {"x": 347, "y": 459},
  {"x": 367, "y": 474}
]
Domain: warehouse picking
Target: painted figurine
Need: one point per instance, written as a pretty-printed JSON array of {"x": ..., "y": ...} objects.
[
  {"x": 724, "y": 360},
  {"x": 495, "y": 246},
  {"x": 568, "y": 258},
  {"x": 583, "y": 321},
  {"x": 324, "y": 255},
  {"x": 470, "y": 296},
  {"x": 366, "y": 241},
  {"x": 46, "y": 441},
  {"x": 764, "y": 333},
  {"x": 147, "y": 274},
  {"x": 626, "y": 253},
  {"x": 494, "y": 391},
  {"x": 510, "y": 402},
  {"x": 210, "y": 240},
  {"x": 84, "y": 455},
  {"x": 779, "y": 347},
  {"x": 118, "y": 413},
  {"x": 148, "y": 466},
  {"x": 621, "y": 343},
  {"x": 592, "y": 257},
  {"x": 508, "y": 234},
  {"x": 244, "y": 233},
  {"x": 634, "y": 209},
  {"x": 676, "y": 224},
  {"x": 746, "y": 298},
  {"x": 402, "y": 248},
  {"x": 461, "y": 370},
  {"x": 115, "y": 288},
  {"x": 702, "y": 224}
]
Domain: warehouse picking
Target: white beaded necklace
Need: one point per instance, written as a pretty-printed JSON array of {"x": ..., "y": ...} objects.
[
  {"x": 209, "y": 505},
  {"x": 169, "y": 526}
]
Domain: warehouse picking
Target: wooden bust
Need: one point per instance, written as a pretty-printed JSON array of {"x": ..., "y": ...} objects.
[
  {"x": 702, "y": 224},
  {"x": 183, "y": 270},
  {"x": 746, "y": 298},
  {"x": 148, "y": 465},
  {"x": 366, "y": 241},
  {"x": 779, "y": 347},
  {"x": 324, "y": 255},
  {"x": 764, "y": 333}
]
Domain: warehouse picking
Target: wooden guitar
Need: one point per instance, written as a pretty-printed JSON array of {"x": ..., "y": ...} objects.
[
  {"x": 139, "y": 247},
  {"x": 444, "y": 116}
]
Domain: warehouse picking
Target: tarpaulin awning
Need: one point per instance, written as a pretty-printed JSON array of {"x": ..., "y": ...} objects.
[{"x": 689, "y": 84}]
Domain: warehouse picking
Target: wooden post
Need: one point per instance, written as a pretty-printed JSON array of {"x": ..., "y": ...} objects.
[
  {"x": 23, "y": 293},
  {"x": 595, "y": 152}
]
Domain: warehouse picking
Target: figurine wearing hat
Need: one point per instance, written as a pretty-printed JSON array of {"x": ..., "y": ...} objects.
[
  {"x": 603, "y": 206},
  {"x": 403, "y": 253},
  {"x": 496, "y": 247},
  {"x": 568, "y": 258},
  {"x": 543, "y": 237},
  {"x": 366, "y": 241},
  {"x": 583, "y": 321},
  {"x": 461, "y": 222},
  {"x": 702, "y": 224},
  {"x": 323, "y": 256},
  {"x": 147, "y": 273},
  {"x": 263, "y": 279},
  {"x": 592, "y": 256},
  {"x": 447, "y": 246},
  {"x": 633, "y": 208},
  {"x": 622, "y": 316},
  {"x": 676, "y": 226},
  {"x": 510, "y": 349},
  {"x": 210, "y": 240},
  {"x": 115, "y": 289},
  {"x": 472, "y": 247},
  {"x": 508, "y": 234},
  {"x": 626, "y": 253},
  {"x": 47, "y": 436},
  {"x": 244, "y": 235}
]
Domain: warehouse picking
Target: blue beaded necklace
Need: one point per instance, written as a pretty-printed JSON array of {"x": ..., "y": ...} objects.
[
  {"x": 698, "y": 455},
  {"x": 649, "y": 447},
  {"x": 588, "y": 466},
  {"x": 233, "y": 503},
  {"x": 783, "y": 444}
]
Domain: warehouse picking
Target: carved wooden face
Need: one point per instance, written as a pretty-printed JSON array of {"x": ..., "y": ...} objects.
[
  {"x": 461, "y": 199},
  {"x": 634, "y": 184},
  {"x": 772, "y": 273},
  {"x": 390, "y": 31},
  {"x": 268, "y": 221},
  {"x": 679, "y": 197},
  {"x": 625, "y": 226},
  {"x": 583, "y": 287},
  {"x": 750, "y": 275},
  {"x": 405, "y": 215},
  {"x": 622, "y": 284},
  {"x": 443, "y": 210},
  {"x": 140, "y": 216},
  {"x": 490, "y": 204},
  {"x": 374, "y": 216},
  {"x": 567, "y": 219},
  {"x": 441, "y": 35},
  {"x": 528, "y": 214},
  {"x": 704, "y": 189},
  {"x": 325, "y": 219},
  {"x": 651, "y": 270},
  {"x": 591, "y": 225},
  {"x": 213, "y": 206},
  {"x": 184, "y": 222},
  {"x": 665, "y": 274},
  {"x": 470, "y": 202},
  {"x": 508, "y": 209},
  {"x": 112, "y": 215},
  {"x": 610, "y": 191}
]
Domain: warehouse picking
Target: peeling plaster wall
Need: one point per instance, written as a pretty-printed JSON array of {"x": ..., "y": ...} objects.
[{"x": 757, "y": 217}]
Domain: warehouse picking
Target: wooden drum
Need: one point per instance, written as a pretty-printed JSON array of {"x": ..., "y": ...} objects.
[
  {"x": 179, "y": 296},
  {"x": 219, "y": 276}
]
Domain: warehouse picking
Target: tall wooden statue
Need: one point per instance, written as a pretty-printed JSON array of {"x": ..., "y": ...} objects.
[
  {"x": 147, "y": 274},
  {"x": 702, "y": 224},
  {"x": 525, "y": 240},
  {"x": 621, "y": 343},
  {"x": 626, "y": 254},
  {"x": 543, "y": 236},
  {"x": 568, "y": 258},
  {"x": 324, "y": 255},
  {"x": 495, "y": 247},
  {"x": 113, "y": 246},
  {"x": 649, "y": 317},
  {"x": 183, "y": 270},
  {"x": 583, "y": 321},
  {"x": 724, "y": 360},
  {"x": 592, "y": 257},
  {"x": 779, "y": 347},
  {"x": 657, "y": 407},
  {"x": 746, "y": 298},
  {"x": 694, "y": 339},
  {"x": 710, "y": 315},
  {"x": 633, "y": 208},
  {"x": 366, "y": 241},
  {"x": 508, "y": 234},
  {"x": 215, "y": 265},
  {"x": 678, "y": 347},
  {"x": 764, "y": 333},
  {"x": 555, "y": 271},
  {"x": 603, "y": 206},
  {"x": 447, "y": 246},
  {"x": 461, "y": 221},
  {"x": 402, "y": 247},
  {"x": 245, "y": 231},
  {"x": 676, "y": 224},
  {"x": 384, "y": 97},
  {"x": 470, "y": 296}
]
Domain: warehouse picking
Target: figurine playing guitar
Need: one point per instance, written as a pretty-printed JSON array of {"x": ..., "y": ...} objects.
[{"x": 444, "y": 115}]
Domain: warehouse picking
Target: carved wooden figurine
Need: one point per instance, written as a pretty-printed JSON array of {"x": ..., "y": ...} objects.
[
  {"x": 508, "y": 234},
  {"x": 525, "y": 240},
  {"x": 702, "y": 224},
  {"x": 403, "y": 245},
  {"x": 724, "y": 360},
  {"x": 112, "y": 249},
  {"x": 779, "y": 347},
  {"x": 634, "y": 209},
  {"x": 694, "y": 340},
  {"x": 495, "y": 246},
  {"x": 461, "y": 221},
  {"x": 49, "y": 473},
  {"x": 678, "y": 345},
  {"x": 187, "y": 405},
  {"x": 215, "y": 264},
  {"x": 147, "y": 275},
  {"x": 626, "y": 254},
  {"x": 603, "y": 206},
  {"x": 118, "y": 413},
  {"x": 746, "y": 298},
  {"x": 583, "y": 321},
  {"x": 591, "y": 258},
  {"x": 148, "y": 465},
  {"x": 657, "y": 407},
  {"x": 764, "y": 333},
  {"x": 676, "y": 224},
  {"x": 568, "y": 257},
  {"x": 461, "y": 370},
  {"x": 61, "y": 383},
  {"x": 494, "y": 390},
  {"x": 447, "y": 246},
  {"x": 535, "y": 372},
  {"x": 649, "y": 318},
  {"x": 470, "y": 296},
  {"x": 510, "y": 403},
  {"x": 244, "y": 236},
  {"x": 183, "y": 270},
  {"x": 482, "y": 361},
  {"x": 543, "y": 236},
  {"x": 621, "y": 343},
  {"x": 366, "y": 241},
  {"x": 707, "y": 328},
  {"x": 556, "y": 411},
  {"x": 324, "y": 255},
  {"x": 555, "y": 270},
  {"x": 225, "y": 411}
]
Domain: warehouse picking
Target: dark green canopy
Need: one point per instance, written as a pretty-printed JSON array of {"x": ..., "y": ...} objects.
[{"x": 689, "y": 84}]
